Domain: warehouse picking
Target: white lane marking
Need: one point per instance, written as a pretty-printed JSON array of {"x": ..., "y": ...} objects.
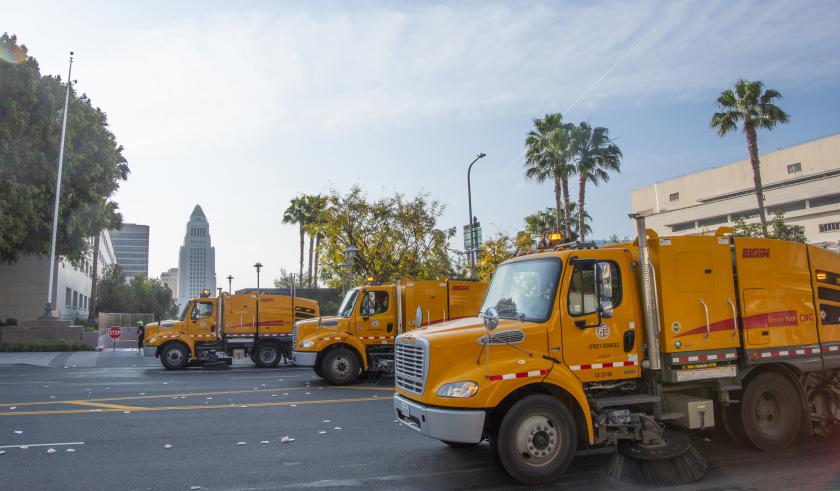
[{"x": 42, "y": 444}]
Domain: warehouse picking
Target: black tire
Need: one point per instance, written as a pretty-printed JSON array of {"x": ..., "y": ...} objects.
[
  {"x": 341, "y": 366},
  {"x": 175, "y": 356},
  {"x": 771, "y": 411},
  {"x": 537, "y": 440},
  {"x": 266, "y": 355},
  {"x": 317, "y": 370},
  {"x": 730, "y": 420},
  {"x": 460, "y": 444}
]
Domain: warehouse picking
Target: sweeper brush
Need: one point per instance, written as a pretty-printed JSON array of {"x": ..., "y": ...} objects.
[{"x": 670, "y": 461}]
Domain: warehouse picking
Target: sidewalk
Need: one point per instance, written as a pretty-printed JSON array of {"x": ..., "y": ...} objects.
[{"x": 122, "y": 357}]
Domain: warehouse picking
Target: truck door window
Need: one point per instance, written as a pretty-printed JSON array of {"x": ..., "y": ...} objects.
[
  {"x": 374, "y": 303},
  {"x": 202, "y": 310},
  {"x": 583, "y": 299}
]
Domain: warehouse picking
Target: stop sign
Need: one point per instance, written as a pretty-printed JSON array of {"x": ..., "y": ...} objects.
[{"x": 114, "y": 332}]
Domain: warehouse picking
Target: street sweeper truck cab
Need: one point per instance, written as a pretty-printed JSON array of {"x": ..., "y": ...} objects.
[
  {"x": 583, "y": 349},
  {"x": 360, "y": 337},
  {"x": 214, "y": 329}
]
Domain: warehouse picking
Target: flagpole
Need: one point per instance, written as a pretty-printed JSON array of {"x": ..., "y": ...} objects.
[{"x": 49, "y": 311}]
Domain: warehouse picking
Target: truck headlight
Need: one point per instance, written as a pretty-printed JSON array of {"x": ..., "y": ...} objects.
[
  {"x": 307, "y": 344},
  {"x": 150, "y": 340},
  {"x": 458, "y": 389}
]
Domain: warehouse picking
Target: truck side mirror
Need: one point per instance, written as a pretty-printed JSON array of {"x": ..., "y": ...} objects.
[{"x": 491, "y": 318}]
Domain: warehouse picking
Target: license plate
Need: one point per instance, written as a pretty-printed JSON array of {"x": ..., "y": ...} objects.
[{"x": 404, "y": 408}]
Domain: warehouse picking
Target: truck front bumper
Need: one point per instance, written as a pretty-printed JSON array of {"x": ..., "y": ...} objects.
[
  {"x": 304, "y": 358},
  {"x": 452, "y": 425},
  {"x": 149, "y": 350}
]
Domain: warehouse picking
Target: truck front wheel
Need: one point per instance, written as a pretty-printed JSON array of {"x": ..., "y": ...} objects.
[
  {"x": 537, "y": 439},
  {"x": 771, "y": 411},
  {"x": 266, "y": 355},
  {"x": 175, "y": 356},
  {"x": 340, "y": 366}
]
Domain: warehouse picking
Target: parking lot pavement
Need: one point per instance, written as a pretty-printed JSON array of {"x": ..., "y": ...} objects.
[{"x": 147, "y": 428}]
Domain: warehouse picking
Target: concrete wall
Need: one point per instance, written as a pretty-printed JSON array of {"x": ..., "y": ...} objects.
[{"x": 45, "y": 330}]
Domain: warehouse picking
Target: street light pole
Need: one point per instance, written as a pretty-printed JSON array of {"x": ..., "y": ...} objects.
[
  {"x": 471, "y": 252},
  {"x": 258, "y": 266},
  {"x": 230, "y": 282},
  {"x": 48, "y": 311},
  {"x": 350, "y": 254}
]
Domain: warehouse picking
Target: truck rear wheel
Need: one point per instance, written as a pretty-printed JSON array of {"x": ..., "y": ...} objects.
[
  {"x": 340, "y": 366},
  {"x": 175, "y": 356},
  {"x": 771, "y": 411},
  {"x": 537, "y": 439},
  {"x": 266, "y": 355}
]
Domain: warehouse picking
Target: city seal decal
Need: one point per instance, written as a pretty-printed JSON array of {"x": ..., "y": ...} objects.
[{"x": 602, "y": 331}]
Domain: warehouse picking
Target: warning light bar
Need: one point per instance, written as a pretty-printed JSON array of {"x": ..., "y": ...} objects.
[{"x": 205, "y": 293}]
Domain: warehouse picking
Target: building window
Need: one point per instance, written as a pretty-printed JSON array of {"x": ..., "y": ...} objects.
[
  {"x": 68, "y": 297},
  {"x": 680, "y": 227},
  {"x": 794, "y": 168},
  {"x": 829, "y": 227},
  {"x": 825, "y": 200},
  {"x": 709, "y": 222},
  {"x": 674, "y": 197},
  {"x": 75, "y": 299}
]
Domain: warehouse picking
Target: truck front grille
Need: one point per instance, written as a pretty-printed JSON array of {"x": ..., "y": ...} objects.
[
  {"x": 294, "y": 336},
  {"x": 410, "y": 366}
]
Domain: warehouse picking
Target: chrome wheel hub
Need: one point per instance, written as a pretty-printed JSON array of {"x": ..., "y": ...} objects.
[{"x": 537, "y": 440}]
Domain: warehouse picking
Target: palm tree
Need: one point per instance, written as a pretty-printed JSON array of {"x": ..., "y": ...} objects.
[
  {"x": 753, "y": 107},
  {"x": 548, "y": 157},
  {"x": 596, "y": 156},
  {"x": 316, "y": 208},
  {"x": 542, "y": 222},
  {"x": 296, "y": 214}
]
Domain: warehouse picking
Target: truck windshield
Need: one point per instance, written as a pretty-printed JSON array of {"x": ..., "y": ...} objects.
[
  {"x": 524, "y": 290},
  {"x": 183, "y": 314},
  {"x": 347, "y": 304}
]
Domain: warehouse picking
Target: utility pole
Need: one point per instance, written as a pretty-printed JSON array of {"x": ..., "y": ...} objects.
[{"x": 48, "y": 310}]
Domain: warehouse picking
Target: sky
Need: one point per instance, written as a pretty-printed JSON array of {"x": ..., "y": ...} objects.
[{"x": 239, "y": 108}]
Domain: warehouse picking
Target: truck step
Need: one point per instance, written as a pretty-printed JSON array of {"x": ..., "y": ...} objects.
[{"x": 627, "y": 400}]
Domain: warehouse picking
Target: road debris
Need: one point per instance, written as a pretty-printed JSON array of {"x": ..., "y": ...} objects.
[
  {"x": 70, "y": 450},
  {"x": 326, "y": 421},
  {"x": 337, "y": 428},
  {"x": 18, "y": 432},
  {"x": 241, "y": 443},
  {"x": 50, "y": 450},
  {"x": 322, "y": 432},
  {"x": 286, "y": 439},
  {"x": 264, "y": 442},
  {"x": 167, "y": 446}
]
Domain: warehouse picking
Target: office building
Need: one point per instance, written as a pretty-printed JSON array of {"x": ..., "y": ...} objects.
[
  {"x": 131, "y": 246},
  {"x": 23, "y": 285},
  {"x": 197, "y": 259},
  {"x": 802, "y": 182},
  {"x": 170, "y": 279}
]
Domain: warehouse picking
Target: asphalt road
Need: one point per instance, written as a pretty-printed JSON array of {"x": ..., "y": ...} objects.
[{"x": 225, "y": 431}]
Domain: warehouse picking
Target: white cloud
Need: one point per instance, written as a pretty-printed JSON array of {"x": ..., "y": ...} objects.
[{"x": 240, "y": 109}]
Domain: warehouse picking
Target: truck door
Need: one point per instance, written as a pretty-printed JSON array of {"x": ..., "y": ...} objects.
[
  {"x": 599, "y": 322},
  {"x": 375, "y": 319},
  {"x": 202, "y": 322}
]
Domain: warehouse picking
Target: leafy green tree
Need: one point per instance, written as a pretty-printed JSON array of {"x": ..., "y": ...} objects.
[
  {"x": 596, "y": 156},
  {"x": 548, "y": 156},
  {"x": 138, "y": 295},
  {"x": 395, "y": 237},
  {"x": 297, "y": 213},
  {"x": 778, "y": 230},
  {"x": 31, "y": 107},
  {"x": 493, "y": 252},
  {"x": 754, "y": 108}
]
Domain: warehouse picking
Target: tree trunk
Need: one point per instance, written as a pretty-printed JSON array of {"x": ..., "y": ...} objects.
[
  {"x": 567, "y": 208},
  {"x": 317, "y": 256},
  {"x": 311, "y": 246},
  {"x": 300, "y": 276},
  {"x": 581, "y": 209},
  {"x": 752, "y": 145},
  {"x": 558, "y": 199},
  {"x": 94, "y": 277}
]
